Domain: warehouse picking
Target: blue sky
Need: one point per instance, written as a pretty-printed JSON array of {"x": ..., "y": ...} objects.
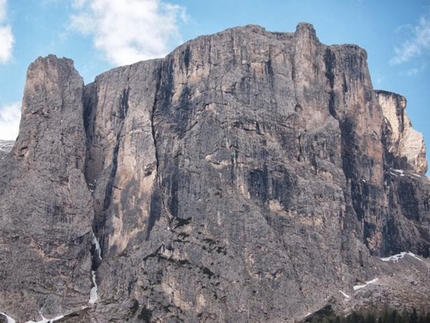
[{"x": 101, "y": 34}]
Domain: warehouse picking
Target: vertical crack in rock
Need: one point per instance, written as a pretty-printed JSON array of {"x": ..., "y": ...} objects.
[
  {"x": 123, "y": 108},
  {"x": 89, "y": 104},
  {"x": 123, "y": 105},
  {"x": 155, "y": 203},
  {"x": 330, "y": 63},
  {"x": 152, "y": 119},
  {"x": 110, "y": 184}
]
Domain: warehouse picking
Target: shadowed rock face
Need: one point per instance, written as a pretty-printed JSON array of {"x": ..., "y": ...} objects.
[{"x": 248, "y": 176}]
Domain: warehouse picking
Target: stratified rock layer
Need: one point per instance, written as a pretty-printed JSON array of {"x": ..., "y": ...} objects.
[{"x": 248, "y": 176}]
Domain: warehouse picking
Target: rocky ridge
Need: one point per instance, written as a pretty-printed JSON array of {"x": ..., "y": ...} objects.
[{"x": 248, "y": 176}]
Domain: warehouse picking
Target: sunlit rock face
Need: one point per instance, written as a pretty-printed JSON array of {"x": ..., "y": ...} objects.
[
  {"x": 405, "y": 145},
  {"x": 248, "y": 176}
]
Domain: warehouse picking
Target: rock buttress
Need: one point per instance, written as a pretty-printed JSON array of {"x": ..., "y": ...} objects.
[
  {"x": 405, "y": 146},
  {"x": 45, "y": 205}
]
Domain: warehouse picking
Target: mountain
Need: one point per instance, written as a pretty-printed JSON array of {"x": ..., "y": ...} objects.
[{"x": 248, "y": 176}]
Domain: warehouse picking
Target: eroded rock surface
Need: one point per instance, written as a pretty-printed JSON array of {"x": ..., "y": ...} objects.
[
  {"x": 405, "y": 145},
  {"x": 248, "y": 176}
]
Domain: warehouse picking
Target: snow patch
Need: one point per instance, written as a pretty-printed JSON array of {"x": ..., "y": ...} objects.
[
  {"x": 417, "y": 175},
  {"x": 97, "y": 245},
  {"x": 344, "y": 294},
  {"x": 93, "y": 292},
  {"x": 44, "y": 320},
  {"x": 397, "y": 172},
  {"x": 396, "y": 258},
  {"x": 9, "y": 319},
  {"x": 357, "y": 287}
]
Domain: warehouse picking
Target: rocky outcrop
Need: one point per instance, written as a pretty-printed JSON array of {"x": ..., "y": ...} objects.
[
  {"x": 248, "y": 176},
  {"x": 46, "y": 209},
  {"x": 405, "y": 146}
]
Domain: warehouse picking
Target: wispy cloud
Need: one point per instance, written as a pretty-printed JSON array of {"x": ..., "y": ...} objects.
[
  {"x": 418, "y": 42},
  {"x": 10, "y": 116},
  {"x": 130, "y": 30},
  {"x": 6, "y": 36},
  {"x": 416, "y": 70}
]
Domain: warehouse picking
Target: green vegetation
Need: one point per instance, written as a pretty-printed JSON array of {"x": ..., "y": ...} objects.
[
  {"x": 145, "y": 315},
  {"x": 180, "y": 222},
  {"x": 386, "y": 316}
]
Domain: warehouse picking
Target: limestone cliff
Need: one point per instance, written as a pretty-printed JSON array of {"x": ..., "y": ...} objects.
[
  {"x": 405, "y": 145},
  {"x": 248, "y": 176}
]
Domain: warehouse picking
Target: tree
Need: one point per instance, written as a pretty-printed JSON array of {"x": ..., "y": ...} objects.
[
  {"x": 414, "y": 316},
  {"x": 370, "y": 318}
]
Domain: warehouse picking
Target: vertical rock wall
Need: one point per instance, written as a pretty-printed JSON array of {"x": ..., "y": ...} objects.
[{"x": 46, "y": 208}]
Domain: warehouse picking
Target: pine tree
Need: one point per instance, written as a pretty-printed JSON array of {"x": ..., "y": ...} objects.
[
  {"x": 370, "y": 318},
  {"x": 404, "y": 317},
  {"x": 414, "y": 316}
]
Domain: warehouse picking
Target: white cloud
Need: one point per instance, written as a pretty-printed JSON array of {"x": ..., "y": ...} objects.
[
  {"x": 130, "y": 30},
  {"x": 6, "y": 36},
  {"x": 2, "y": 10},
  {"x": 10, "y": 116},
  {"x": 6, "y": 44},
  {"x": 416, "y": 44}
]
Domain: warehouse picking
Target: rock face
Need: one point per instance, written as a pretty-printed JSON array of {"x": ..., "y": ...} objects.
[
  {"x": 46, "y": 210},
  {"x": 248, "y": 176},
  {"x": 405, "y": 145}
]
